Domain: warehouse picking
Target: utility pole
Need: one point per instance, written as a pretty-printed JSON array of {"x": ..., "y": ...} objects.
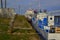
[
  {"x": 1, "y": 4},
  {"x": 5, "y": 3}
]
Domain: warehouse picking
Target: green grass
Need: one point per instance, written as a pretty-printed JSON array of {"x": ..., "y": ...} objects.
[
  {"x": 3, "y": 27},
  {"x": 5, "y": 36},
  {"x": 4, "y": 20},
  {"x": 4, "y": 24},
  {"x": 24, "y": 30},
  {"x": 21, "y": 22}
]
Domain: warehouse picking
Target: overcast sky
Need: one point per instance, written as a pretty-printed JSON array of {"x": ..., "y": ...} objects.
[{"x": 23, "y": 5}]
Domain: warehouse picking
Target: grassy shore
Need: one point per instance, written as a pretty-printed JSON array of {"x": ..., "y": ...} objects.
[{"x": 18, "y": 34}]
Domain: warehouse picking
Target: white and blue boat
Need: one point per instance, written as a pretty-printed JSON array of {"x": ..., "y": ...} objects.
[{"x": 47, "y": 24}]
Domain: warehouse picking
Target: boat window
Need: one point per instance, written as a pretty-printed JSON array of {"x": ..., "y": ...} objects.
[
  {"x": 57, "y": 20},
  {"x": 50, "y": 18}
]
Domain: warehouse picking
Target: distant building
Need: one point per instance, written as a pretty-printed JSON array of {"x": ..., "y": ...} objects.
[{"x": 7, "y": 12}]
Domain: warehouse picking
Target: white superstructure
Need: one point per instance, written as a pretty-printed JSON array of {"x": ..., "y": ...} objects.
[{"x": 29, "y": 14}]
